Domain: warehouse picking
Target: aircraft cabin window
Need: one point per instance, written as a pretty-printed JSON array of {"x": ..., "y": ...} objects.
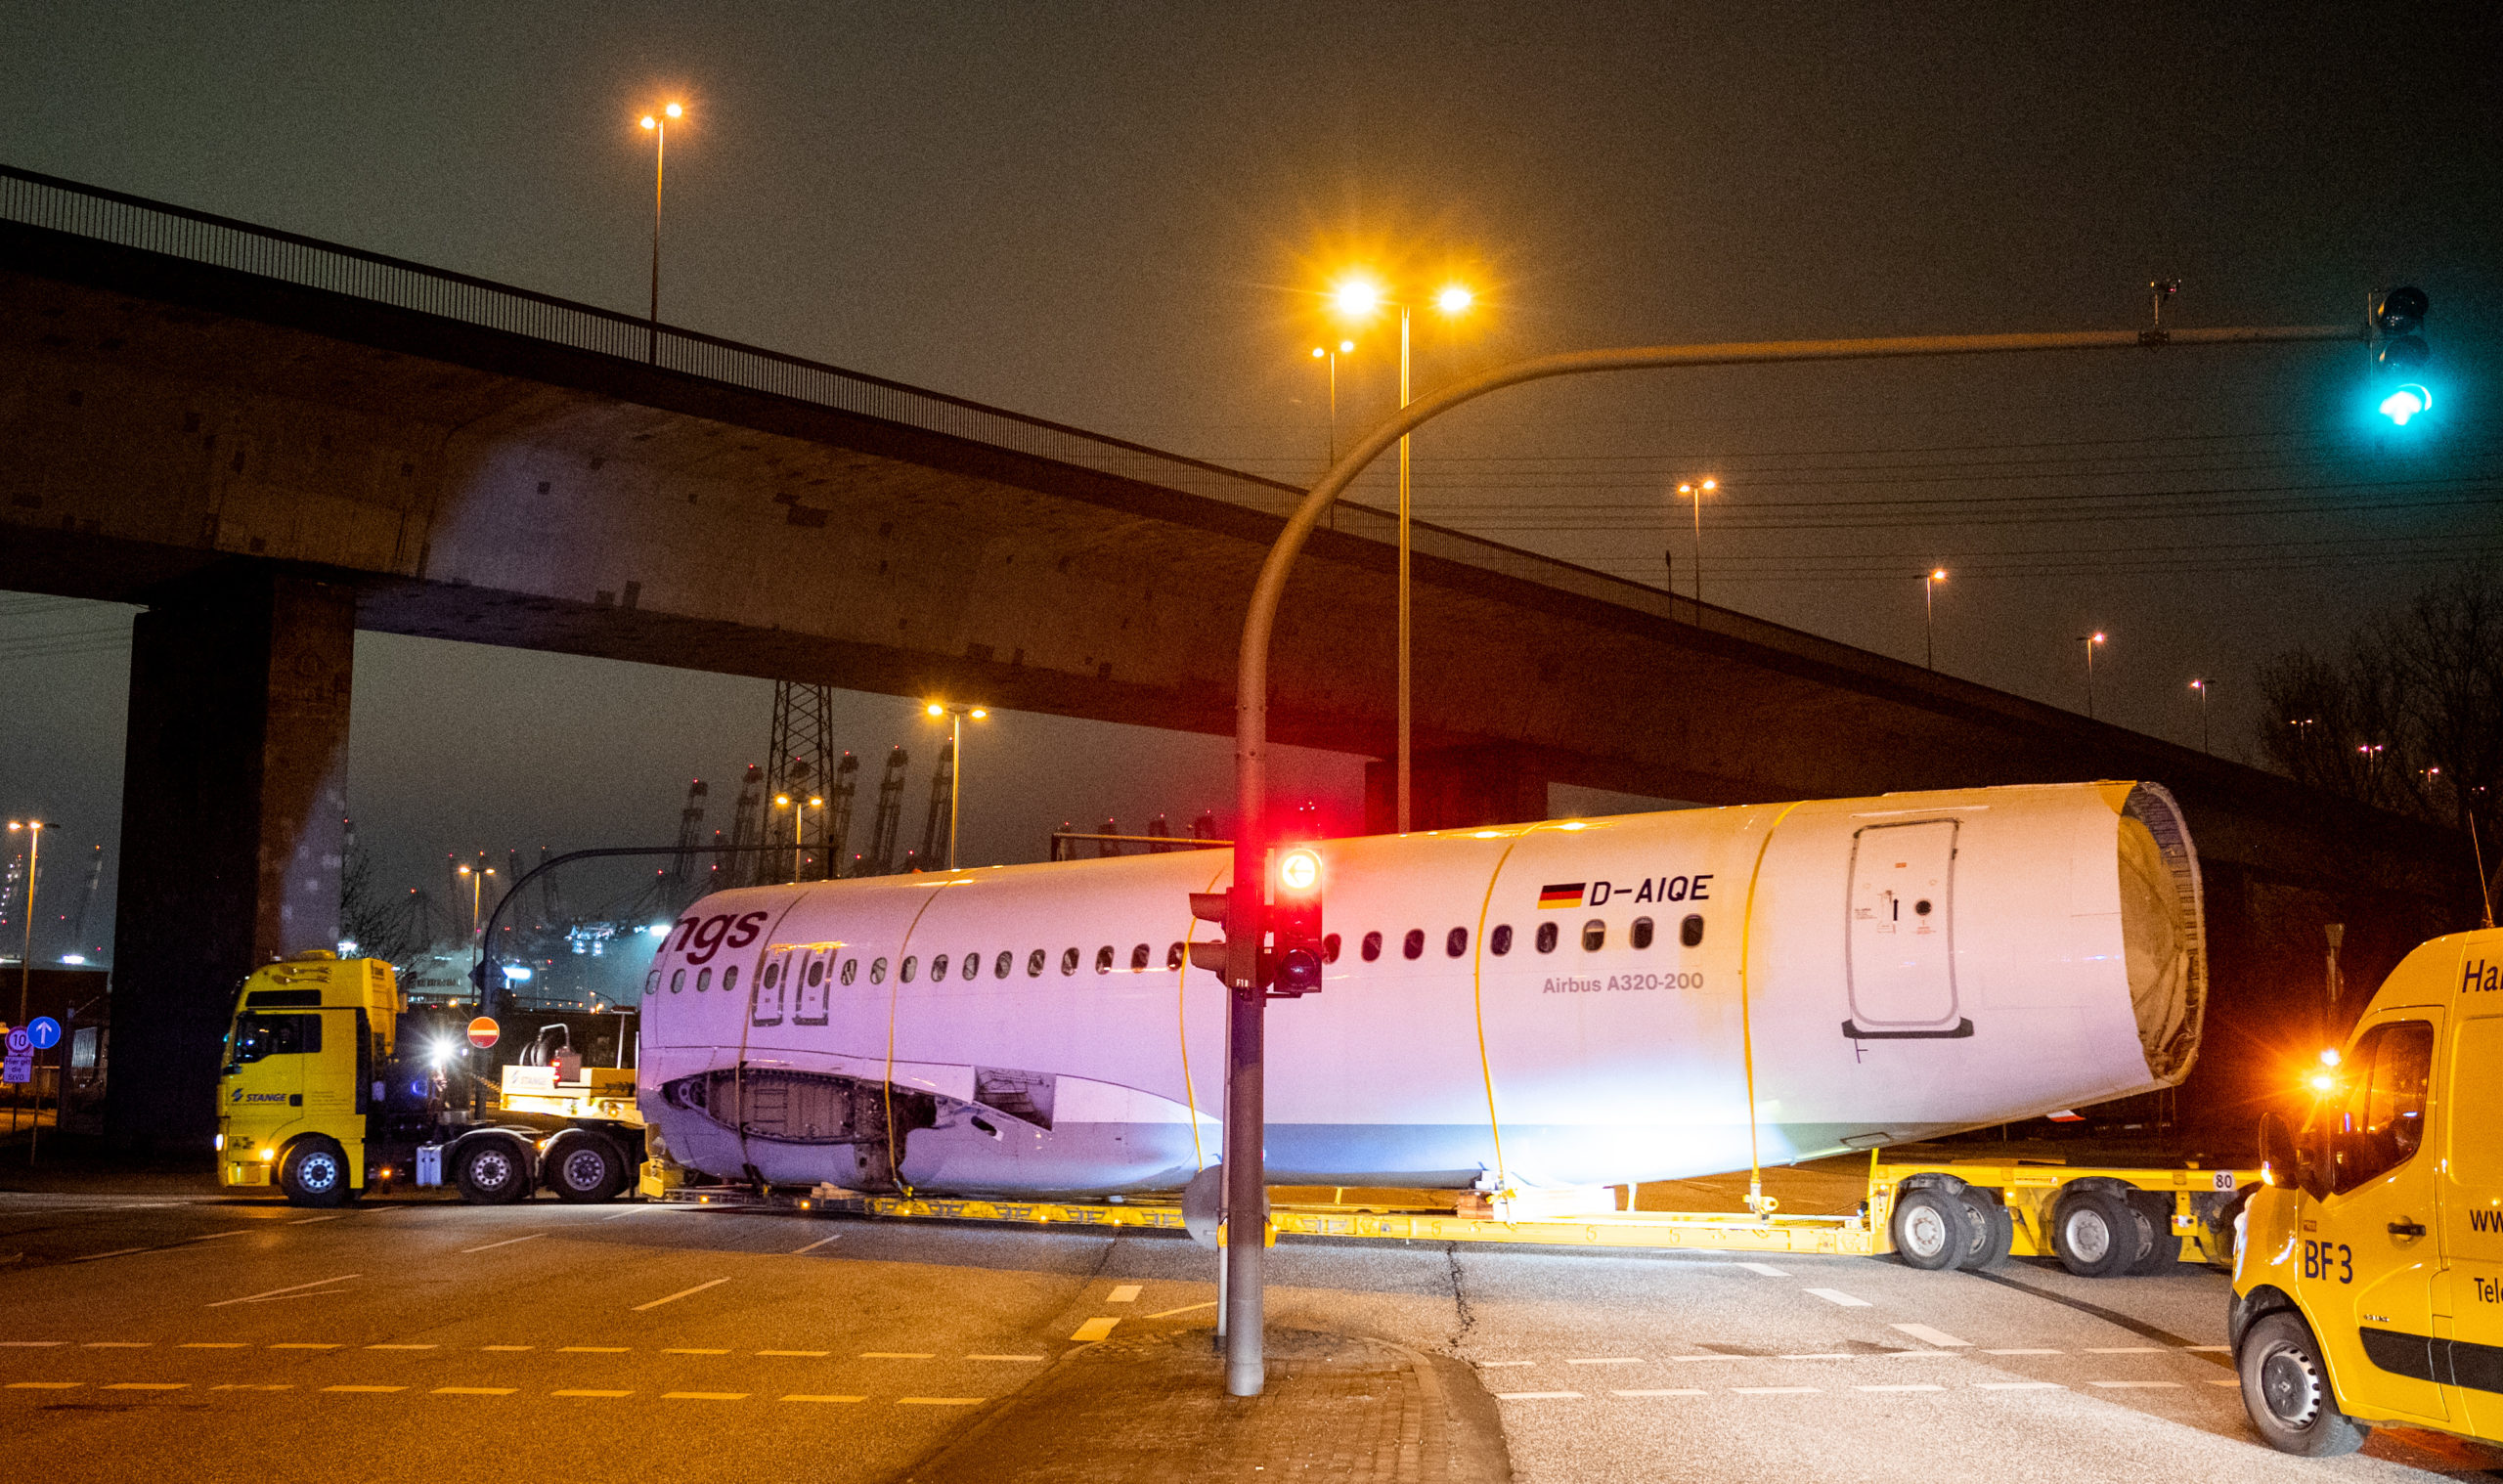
[
  {"x": 904, "y": 970},
  {"x": 816, "y": 973},
  {"x": 703, "y": 979},
  {"x": 1500, "y": 941},
  {"x": 1594, "y": 936},
  {"x": 878, "y": 972},
  {"x": 1690, "y": 931},
  {"x": 937, "y": 968},
  {"x": 1138, "y": 959},
  {"x": 1006, "y": 961},
  {"x": 1414, "y": 945},
  {"x": 973, "y": 966},
  {"x": 1068, "y": 961},
  {"x": 1372, "y": 948},
  {"x": 676, "y": 980},
  {"x": 652, "y": 986},
  {"x": 1104, "y": 959},
  {"x": 1174, "y": 955},
  {"x": 729, "y": 979},
  {"x": 1329, "y": 948},
  {"x": 851, "y": 969},
  {"x": 1641, "y": 934},
  {"x": 1456, "y": 942},
  {"x": 772, "y": 975},
  {"x": 1547, "y": 938},
  {"x": 1034, "y": 964}
]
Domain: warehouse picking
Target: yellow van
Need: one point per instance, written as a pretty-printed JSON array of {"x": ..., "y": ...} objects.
[{"x": 2368, "y": 1279}]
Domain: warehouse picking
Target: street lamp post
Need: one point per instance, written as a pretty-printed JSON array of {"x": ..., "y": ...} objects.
[
  {"x": 799, "y": 842},
  {"x": 477, "y": 946},
  {"x": 1360, "y": 299},
  {"x": 1696, "y": 490},
  {"x": 1324, "y": 352},
  {"x": 2091, "y": 641},
  {"x": 2200, "y": 686},
  {"x": 955, "y": 715},
  {"x": 1929, "y": 616},
  {"x": 33, "y": 830},
  {"x": 659, "y": 125}
]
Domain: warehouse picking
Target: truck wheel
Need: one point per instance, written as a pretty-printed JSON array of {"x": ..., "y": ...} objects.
[
  {"x": 587, "y": 1168},
  {"x": 1930, "y": 1233},
  {"x": 2161, "y": 1249},
  {"x": 1989, "y": 1231},
  {"x": 314, "y": 1173},
  {"x": 2095, "y": 1235},
  {"x": 2285, "y": 1387},
  {"x": 491, "y": 1172}
]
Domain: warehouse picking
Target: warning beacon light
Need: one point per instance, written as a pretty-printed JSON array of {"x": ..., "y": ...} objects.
[{"x": 1295, "y": 919}]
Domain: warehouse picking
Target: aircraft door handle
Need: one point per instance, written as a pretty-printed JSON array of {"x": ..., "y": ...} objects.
[{"x": 2407, "y": 1228}]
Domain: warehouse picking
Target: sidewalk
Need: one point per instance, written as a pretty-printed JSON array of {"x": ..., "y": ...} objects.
[{"x": 1337, "y": 1408}]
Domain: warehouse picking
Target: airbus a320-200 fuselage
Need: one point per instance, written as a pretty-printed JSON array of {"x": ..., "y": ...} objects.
[{"x": 1551, "y": 1005}]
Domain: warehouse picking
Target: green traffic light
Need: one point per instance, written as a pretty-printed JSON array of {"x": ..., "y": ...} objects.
[{"x": 2406, "y": 402}]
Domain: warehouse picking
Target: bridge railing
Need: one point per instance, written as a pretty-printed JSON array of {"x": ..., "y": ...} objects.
[{"x": 35, "y": 199}]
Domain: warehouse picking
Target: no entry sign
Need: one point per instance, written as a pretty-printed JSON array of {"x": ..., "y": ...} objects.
[{"x": 483, "y": 1031}]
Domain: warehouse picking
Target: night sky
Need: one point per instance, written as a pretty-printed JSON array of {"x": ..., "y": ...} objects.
[{"x": 1122, "y": 217}]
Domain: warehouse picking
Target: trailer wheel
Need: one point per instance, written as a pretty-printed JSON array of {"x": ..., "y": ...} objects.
[
  {"x": 315, "y": 1173},
  {"x": 491, "y": 1172},
  {"x": 2161, "y": 1249},
  {"x": 1989, "y": 1231},
  {"x": 586, "y": 1168},
  {"x": 2285, "y": 1387},
  {"x": 2096, "y": 1236},
  {"x": 1930, "y": 1233}
]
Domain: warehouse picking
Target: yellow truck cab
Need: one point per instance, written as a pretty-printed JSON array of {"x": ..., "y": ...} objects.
[
  {"x": 2368, "y": 1281},
  {"x": 301, "y": 1052}
]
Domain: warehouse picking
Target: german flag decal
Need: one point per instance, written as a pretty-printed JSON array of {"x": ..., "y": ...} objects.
[{"x": 1568, "y": 894}]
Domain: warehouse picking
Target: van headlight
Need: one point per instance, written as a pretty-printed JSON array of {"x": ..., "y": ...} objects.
[{"x": 219, "y": 1144}]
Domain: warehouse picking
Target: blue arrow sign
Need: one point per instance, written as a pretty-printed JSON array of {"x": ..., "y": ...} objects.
[{"x": 44, "y": 1031}]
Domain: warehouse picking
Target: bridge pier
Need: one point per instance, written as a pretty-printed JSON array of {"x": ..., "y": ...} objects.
[{"x": 233, "y": 797}]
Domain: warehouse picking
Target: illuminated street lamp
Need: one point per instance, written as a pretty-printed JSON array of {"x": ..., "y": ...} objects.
[
  {"x": 2091, "y": 641},
  {"x": 799, "y": 814},
  {"x": 1929, "y": 582},
  {"x": 659, "y": 125},
  {"x": 2200, "y": 686},
  {"x": 33, "y": 830},
  {"x": 1324, "y": 352},
  {"x": 477, "y": 885},
  {"x": 1696, "y": 490},
  {"x": 1358, "y": 297},
  {"x": 955, "y": 715}
]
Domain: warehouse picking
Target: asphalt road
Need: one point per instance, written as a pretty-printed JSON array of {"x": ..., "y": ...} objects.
[{"x": 211, "y": 1339}]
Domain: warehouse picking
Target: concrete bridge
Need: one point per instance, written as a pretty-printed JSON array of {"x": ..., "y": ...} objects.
[{"x": 272, "y": 441}]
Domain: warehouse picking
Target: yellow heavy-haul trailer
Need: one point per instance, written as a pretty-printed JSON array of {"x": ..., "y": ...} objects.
[{"x": 326, "y": 1093}]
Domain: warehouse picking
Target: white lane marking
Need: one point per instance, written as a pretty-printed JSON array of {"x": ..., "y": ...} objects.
[
  {"x": 1185, "y": 1309},
  {"x": 1707, "y": 1357},
  {"x": 2123, "y": 1350},
  {"x": 1766, "y": 1268},
  {"x": 363, "y": 1389},
  {"x": 1123, "y": 1293},
  {"x": 1775, "y": 1390},
  {"x": 1005, "y": 1357},
  {"x": 2226, "y": 1381},
  {"x": 309, "y": 1220},
  {"x": 590, "y": 1393},
  {"x": 704, "y": 1396},
  {"x": 2209, "y": 1349},
  {"x": 2137, "y": 1385},
  {"x": 1606, "y": 1360},
  {"x": 117, "y": 1344},
  {"x": 213, "y": 1235},
  {"x": 1929, "y": 1336},
  {"x": 2020, "y": 1352},
  {"x": 115, "y": 1252},
  {"x": 475, "y": 1390},
  {"x": 633, "y": 1211},
  {"x": 1093, "y": 1331},
  {"x": 291, "y": 1288},
  {"x": 813, "y": 1246},
  {"x": 43, "y": 1385},
  {"x": 1899, "y": 1388},
  {"x": 211, "y": 1344},
  {"x": 508, "y": 1241},
  {"x": 242, "y": 1386},
  {"x": 27, "y": 1344},
  {"x": 681, "y": 1294},
  {"x": 295, "y": 1344},
  {"x": 2018, "y": 1387},
  {"x": 796, "y": 1397},
  {"x": 1538, "y": 1396},
  {"x": 147, "y": 1386},
  {"x": 1664, "y": 1391},
  {"x": 1838, "y": 1296},
  {"x": 940, "y": 1401}
]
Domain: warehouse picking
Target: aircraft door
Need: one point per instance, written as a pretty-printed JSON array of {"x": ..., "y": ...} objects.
[
  {"x": 2472, "y": 1202},
  {"x": 773, "y": 988},
  {"x": 1899, "y": 950},
  {"x": 2368, "y": 1249},
  {"x": 815, "y": 989}
]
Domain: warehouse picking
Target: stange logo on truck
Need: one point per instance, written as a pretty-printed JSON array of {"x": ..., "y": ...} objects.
[{"x": 699, "y": 938}]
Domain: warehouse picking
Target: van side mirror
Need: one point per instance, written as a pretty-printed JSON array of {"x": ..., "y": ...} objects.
[{"x": 2279, "y": 1158}]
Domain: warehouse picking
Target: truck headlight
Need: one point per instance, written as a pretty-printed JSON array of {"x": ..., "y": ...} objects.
[
  {"x": 268, "y": 1154},
  {"x": 218, "y": 1144}
]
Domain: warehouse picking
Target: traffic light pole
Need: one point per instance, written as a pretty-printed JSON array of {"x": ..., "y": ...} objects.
[{"x": 1245, "y": 1215}]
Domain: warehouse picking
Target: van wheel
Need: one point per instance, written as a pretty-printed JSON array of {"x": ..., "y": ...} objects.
[
  {"x": 315, "y": 1173},
  {"x": 1930, "y": 1232},
  {"x": 1989, "y": 1231},
  {"x": 2095, "y": 1235},
  {"x": 587, "y": 1168},
  {"x": 491, "y": 1172},
  {"x": 2285, "y": 1387},
  {"x": 2162, "y": 1248}
]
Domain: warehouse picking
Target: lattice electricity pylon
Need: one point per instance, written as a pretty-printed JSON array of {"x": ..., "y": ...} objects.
[{"x": 802, "y": 754}]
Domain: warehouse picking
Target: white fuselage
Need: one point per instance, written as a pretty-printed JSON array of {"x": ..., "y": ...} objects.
[{"x": 1879, "y": 968}]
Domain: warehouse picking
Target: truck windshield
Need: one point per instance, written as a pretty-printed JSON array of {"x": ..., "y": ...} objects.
[
  {"x": 2378, "y": 1125},
  {"x": 266, "y": 1035}
]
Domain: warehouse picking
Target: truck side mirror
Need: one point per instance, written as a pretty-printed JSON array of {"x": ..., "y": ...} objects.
[{"x": 2279, "y": 1158}]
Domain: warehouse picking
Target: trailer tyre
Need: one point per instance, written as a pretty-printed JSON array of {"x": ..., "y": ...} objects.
[
  {"x": 2162, "y": 1248},
  {"x": 314, "y": 1173},
  {"x": 491, "y": 1172},
  {"x": 1990, "y": 1230},
  {"x": 2285, "y": 1387},
  {"x": 2097, "y": 1236},
  {"x": 1930, "y": 1229},
  {"x": 587, "y": 1168}
]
